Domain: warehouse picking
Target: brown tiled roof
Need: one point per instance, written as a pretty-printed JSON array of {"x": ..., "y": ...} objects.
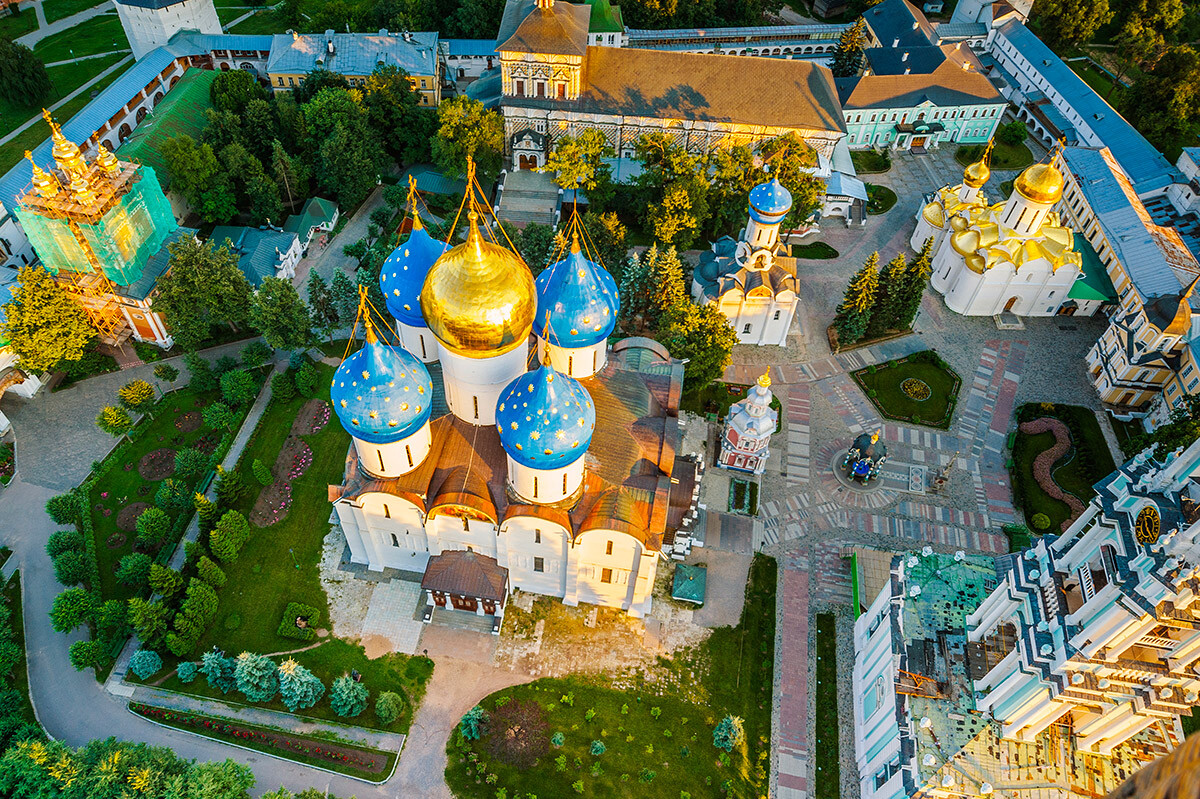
[
  {"x": 466, "y": 573},
  {"x": 561, "y": 29},
  {"x": 947, "y": 85},
  {"x": 710, "y": 88}
]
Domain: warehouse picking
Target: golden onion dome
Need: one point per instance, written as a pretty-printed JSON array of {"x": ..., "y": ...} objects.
[
  {"x": 977, "y": 174},
  {"x": 966, "y": 242},
  {"x": 1040, "y": 183},
  {"x": 958, "y": 223},
  {"x": 479, "y": 298},
  {"x": 934, "y": 214},
  {"x": 976, "y": 263}
]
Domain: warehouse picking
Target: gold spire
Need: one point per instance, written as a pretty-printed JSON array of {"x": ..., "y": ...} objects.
[
  {"x": 978, "y": 173},
  {"x": 81, "y": 191},
  {"x": 107, "y": 161},
  {"x": 46, "y": 184},
  {"x": 765, "y": 379},
  {"x": 66, "y": 153},
  {"x": 365, "y": 312},
  {"x": 575, "y": 241},
  {"x": 875, "y": 437},
  {"x": 412, "y": 202}
]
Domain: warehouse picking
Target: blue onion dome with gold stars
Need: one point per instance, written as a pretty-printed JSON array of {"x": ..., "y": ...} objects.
[
  {"x": 577, "y": 303},
  {"x": 381, "y": 393},
  {"x": 545, "y": 419},
  {"x": 770, "y": 202},
  {"x": 403, "y": 274}
]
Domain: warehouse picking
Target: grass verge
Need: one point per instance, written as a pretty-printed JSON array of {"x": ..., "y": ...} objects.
[
  {"x": 61, "y": 9},
  {"x": 885, "y": 386},
  {"x": 870, "y": 162},
  {"x": 880, "y": 199},
  {"x": 20, "y": 675},
  {"x": 1004, "y": 156},
  {"x": 828, "y": 774},
  {"x": 100, "y": 34},
  {"x": 816, "y": 250}
]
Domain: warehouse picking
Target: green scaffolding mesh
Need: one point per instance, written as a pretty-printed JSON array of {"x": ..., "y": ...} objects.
[{"x": 123, "y": 240}]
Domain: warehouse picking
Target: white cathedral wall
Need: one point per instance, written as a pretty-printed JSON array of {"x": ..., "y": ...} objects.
[
  {"x": 623, "y": 578},
  {"x": 761, "y": 236},
  {"x": 419, "y": 341},
  {"x": 393, "y": 532},
  {"x": 525, "y": 539},
  {"x": 754, "y": 321},
  {"x": 924, "y": 231},
  {"x": 544, "y": 486},
  {"x": 578, "y": 362},
  {"x": 473, "y": 385},
  {"x": 446, "y": 531},
  {"x": 1036, "y": 289},
  {"x": 395, "y": 457}
]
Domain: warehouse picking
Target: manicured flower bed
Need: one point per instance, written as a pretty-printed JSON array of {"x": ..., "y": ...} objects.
[
  {"x": 915, "y": 389},
  {"x": 358, "y": 761},
  {"x": 8, "y": 463},
  {"x": 920, "y": 389}
]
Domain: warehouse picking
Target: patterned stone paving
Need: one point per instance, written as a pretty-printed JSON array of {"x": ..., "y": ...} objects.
[
  {"x": 390, "y": 615},
  {"x": 792, "y": 679}
]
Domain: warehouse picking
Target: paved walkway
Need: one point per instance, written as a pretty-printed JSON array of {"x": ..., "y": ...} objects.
[
  {"x": 331, "y": 257},
  {"x": 385, "y": 741},
  {"x": 66, "y": 23},
  {"x": 124, "y": 62},
  {"x": 84, "y": 58}
]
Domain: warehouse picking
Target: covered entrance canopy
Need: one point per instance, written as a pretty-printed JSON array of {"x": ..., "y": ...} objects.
[{"x": 466, "y": 581}]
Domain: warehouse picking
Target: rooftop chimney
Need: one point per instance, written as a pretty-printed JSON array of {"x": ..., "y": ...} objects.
[
  {"x": 907, "y": 70},
  {"x": 896, "y": 42},
  {"x": 904, "y": 57}
]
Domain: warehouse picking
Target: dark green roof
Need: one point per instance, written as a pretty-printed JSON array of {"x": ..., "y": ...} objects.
[
  {"x": 1094, "y": 282},
  {"x": 316, "y": 211},
  {"x": 689, "y": 583},
  {"x": 605, "y": 18},
  {"x": 180, "y": 112}
]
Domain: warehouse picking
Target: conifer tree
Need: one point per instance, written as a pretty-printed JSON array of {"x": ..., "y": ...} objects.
[
  {"x": 137, "y": 395},
  {"x": 114, "y": 420},
  {"x": 257, "y": 677},
  {"x": 149, "y": 620},
  {"x": 635, "y": 280},
  {"x": 321, "y": 308},
  {"x": 218, "y": 670},
  {"x": 664, "y": 274},
  {"x": 344, "y": 296},
  {"x": 889, "y": 297},
  {"x": 299, "y": 688},
  {"x": 228, "y": 537},
  {"x": 164, "y": 580},
  {"x": 848, "y": 56},
  {"x": 854, "y": 314},
  {"x": 348, "y": 698},
  {"x": 916, "y": 276}
]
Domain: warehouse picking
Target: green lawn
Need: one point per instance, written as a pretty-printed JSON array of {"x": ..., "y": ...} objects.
[
  {"x": 730, "y": 673},
  {"x": 828, "y": 782},
  {"x": 65, "y": 80},
  {"x": 13, "y": 151},
  {"x": 1004, "y": 156},
  {"x": 815, "y": 250},
  {"x": 263, "y": 22},
  {"x": 884, "y": 387},
  {"x": 1190, "y": 722},
  {"x": 16, "y": 25},
  {"x": 20, "y": 677},
  {"x": 228, "y": 14},
  {"x": 880, "y": 199},
  {"x": 1088, "y": 462},
  {"x": 717, "y": 397},
  {"x": 1098, "y": 79},
  {"x": 868, "y": 162},
  {"x": 58, "y": 9},
  {"x": 98, "y": 35},
  {"x": 120, "y": 486},
  {"x": 1129, "y": 435},
  {"x": 407, "y": 676}
]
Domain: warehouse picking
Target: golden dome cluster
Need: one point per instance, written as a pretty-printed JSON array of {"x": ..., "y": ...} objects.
[{"x": 479, "y": 298}]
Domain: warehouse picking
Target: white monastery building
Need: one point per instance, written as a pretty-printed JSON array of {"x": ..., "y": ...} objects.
[
  {"x": 151, "y": 23},
  {"x": 557, "y": 465}
]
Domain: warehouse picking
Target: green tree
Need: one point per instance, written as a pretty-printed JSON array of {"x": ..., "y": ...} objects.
[
  {"x": 1012, "y": 133},
  {"x": 609, "y": 237},
  {"x": 63, "y": 509},
  {"x": 848, "y": 55},
  {"x": 210, "y": 572},
  {"x": 191, "y": 165},
  {"x": 889, "y": 297},
  {"x": 634, "y": 287},
  {"x": 153, "y": 526},
  {"x": 790, "y": 159},
  {"x": 61, "y": 541},
  {"x": 315, "y": 81},
  {"x": 389, "y": 706},
  {"x": 468, "y": 130},
  {"x": 734, "y": 173},
  {"x": 114, "y": 420},
  {"x": 1165, "y": 102},
  {"x": 112, "y": 620},
  {"x": 137, "y": 395},
  {"x": 283, "y": 386},
  {"x": 299, "y": 688},
  {"x": 322, "y": 313},
  {"x": 71, "y": 568},
  {"x": 344, "y": 297},
  {"x": 664, "y": 281},
  {"x": 472, "y": 724},
  {"x": 729, "y": 733},
  {"x": 915, "y": 278},
  {"x": 234, "y": 90},
  {"x": 203, "y": 287},
  {"x": 219, "y": 671},
  {"x": 263, "y": 200},
  {"x": 257, "y": 677},
  {"x": 164, "y": 580},
  {"x": 394, "y": 111},
  {"x": 262, "y": 473},
  {"x": 306, "y": 379},
  {"x": 190, "y": 463},
  {"x": 219, "y": 416},
  {"x": 703, "y": 337},
  {"x": 149, "y": 620},
  {"x": 1070, "y": 22},
  {"x": 349, "y": 164},
  {"x": 42, "y": 323},
  {"x": 238, "y": 387},
  {"x": 134, "y": 569},
  {"x": 172, "y": 496},
  {"x": 145, "y": 663},
  {"x": 256, "y": 354},
  {"x": 854, "y": 314},
  {"x": 166, "y": 372},
  {"x": 577, "y": 162},
  {"x": 86, "y": 655},
  {"x": 348, "y": 698},
  {"x": 25, "y": 80},
  {"x": 674, "y": 187},
  {"x": 229, "y": 536},
  {"x": 71, "y": 608},
  {"x": 280, "y": 315},
  {"x": 291, "y": 175},
  {"x": 201, "y": 376}
]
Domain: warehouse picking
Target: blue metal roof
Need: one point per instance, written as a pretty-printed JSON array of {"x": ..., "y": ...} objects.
[
  {"x": 1127, "y": 233},
  {"x": 381, "y": 393},
  {"x": 545, "y": 419},
  {"x": 402, "y": 275},
  {"x": 1146, "y": 166},
  {"x": 579, "y": 300},
  {"x": 353, "y": 53},
  {"x": 463, "y": 48},
  {"x": 769, "y": 202}
]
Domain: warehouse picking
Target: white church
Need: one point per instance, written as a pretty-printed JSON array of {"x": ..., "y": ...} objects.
[
  {"x": 556, "y": 470},
  {"x": 753, "y": 280},
  {"x": 1008, "y": 257}
]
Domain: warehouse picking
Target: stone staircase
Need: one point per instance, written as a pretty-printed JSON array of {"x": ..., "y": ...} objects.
[
  {"x": 528, "y": 197},
  {"x": 462, "y": 620}
]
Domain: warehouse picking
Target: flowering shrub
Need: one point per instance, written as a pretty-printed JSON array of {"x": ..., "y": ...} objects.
[
  {"x": 321, "y": 419},
  {"x": 915, "y": 389}
]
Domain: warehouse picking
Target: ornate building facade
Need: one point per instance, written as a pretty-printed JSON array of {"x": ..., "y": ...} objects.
[
  {"x": 562, "y": 468},
  {"x": 748, "y": 429}
]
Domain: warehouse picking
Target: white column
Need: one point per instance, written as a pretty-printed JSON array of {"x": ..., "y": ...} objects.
[{"x": 473, "y": 385}]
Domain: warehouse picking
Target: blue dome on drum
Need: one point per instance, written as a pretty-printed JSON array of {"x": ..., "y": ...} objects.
[
  {"x": 545, "y": 419},
  {"x": 403, "y": 274},
  {"x": 770, "y": 202},
  {"x": 577, "y": 302},
  {"x": 381, "y": 393}
]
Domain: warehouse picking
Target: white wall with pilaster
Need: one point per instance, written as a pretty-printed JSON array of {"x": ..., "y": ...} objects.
[
  {"x": 578, "y": 362},
  {"x": 545, "y": 486},
  {"x": 395, "y": 457},
  {"x": 419, "y": 341},
  {"x": 473, "y": 385}
]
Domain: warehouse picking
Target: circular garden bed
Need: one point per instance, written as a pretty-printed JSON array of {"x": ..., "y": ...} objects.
[
  {"x": 919, "y": 389},
  {"x": 157, "y": 464},
  {"x": 127, "y": 518}
]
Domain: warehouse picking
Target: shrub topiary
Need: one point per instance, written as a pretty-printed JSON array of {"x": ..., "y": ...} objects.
[
  {"x": 153, "y": 526},
  {"x": 62, "y": 541},
  {"x": 262, "y": 473},
  {"x": 134, "y": 570},
  {"x": 63, "y": 509},
  {"x": 145, "y": 662},
  {"x": 70, "y": 567},
  {"x": 1040, "y": 521},
  {"x": 307, "y": 379},
  {"x": 388, "y": 707},
  {"x": 283, "y": 387},
  {"x": 295, "y": 610}
]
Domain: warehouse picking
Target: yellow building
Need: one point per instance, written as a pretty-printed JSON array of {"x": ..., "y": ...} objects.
[{"x": 356, "y": 55}]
